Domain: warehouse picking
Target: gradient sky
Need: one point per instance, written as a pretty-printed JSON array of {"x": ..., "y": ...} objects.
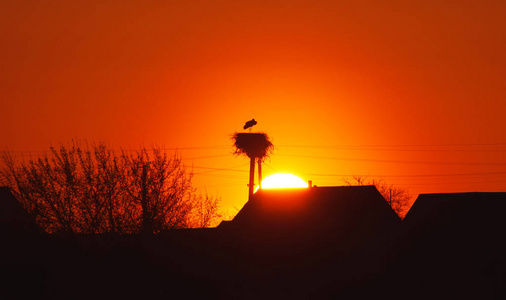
[{"x": 412, "y": 91}]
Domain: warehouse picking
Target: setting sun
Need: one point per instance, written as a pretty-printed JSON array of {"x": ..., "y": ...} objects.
[{"x": 283, "y": 180}]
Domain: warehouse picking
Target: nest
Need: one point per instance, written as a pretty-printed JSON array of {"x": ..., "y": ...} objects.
[{"x": 257, "y": 145}]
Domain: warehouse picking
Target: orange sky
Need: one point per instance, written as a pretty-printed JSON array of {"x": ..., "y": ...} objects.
[{"x": 413, "y": 91}]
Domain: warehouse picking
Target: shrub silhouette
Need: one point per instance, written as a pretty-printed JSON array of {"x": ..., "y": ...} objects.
[{"x": 94, "y": 190}]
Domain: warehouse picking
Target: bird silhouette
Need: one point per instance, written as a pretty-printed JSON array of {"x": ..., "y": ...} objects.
[{"x": 250, "y": 123}]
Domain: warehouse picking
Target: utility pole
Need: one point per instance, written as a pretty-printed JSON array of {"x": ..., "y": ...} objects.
[
  {"x": 251, "y": 184},
  {"x": 147, "y": 227},
  {"x": 256, "y": 146},
  {"x": 259, "y": 160}
]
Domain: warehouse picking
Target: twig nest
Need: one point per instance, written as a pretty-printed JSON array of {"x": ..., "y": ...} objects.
[{"x": 255, "y": 144}]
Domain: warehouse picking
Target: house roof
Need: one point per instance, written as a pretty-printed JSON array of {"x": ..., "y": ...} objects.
[
  {"x": 458, "y": 227},
  {"x": 327, "y": 204},
  {"x": 14, "y": 219},
  {"x": 325, "y": 213},
  {"x": 457, "y": 210}
]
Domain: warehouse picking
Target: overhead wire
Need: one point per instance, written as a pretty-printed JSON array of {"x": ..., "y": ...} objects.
[
  {"x": 212, "y": 169},
  {"x": 396, "y": 161},
  {"x": 205, "y": 157},
  {"x": 413, "y": 176},
  {"x": 396, "y": 146},
  {"x": 219, "y": 172}
]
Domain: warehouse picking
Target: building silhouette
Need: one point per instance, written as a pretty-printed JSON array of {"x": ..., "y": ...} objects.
[{"x": 319, "y": 242}]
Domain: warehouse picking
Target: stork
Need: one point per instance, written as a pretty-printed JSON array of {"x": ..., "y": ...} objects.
[{"x": 250, "y": 123}]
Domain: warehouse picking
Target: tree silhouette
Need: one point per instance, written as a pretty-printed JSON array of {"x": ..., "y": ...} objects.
[
  {"x": 256, "y": 146},
  {"x": 93, "y": 190},
  {"x": 398, "y": 198}
]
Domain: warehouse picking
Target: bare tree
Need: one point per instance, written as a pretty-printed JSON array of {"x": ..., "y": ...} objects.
[
  {"x": 161, "y": 188},
  {"x": 398, "y": 198},
  {"x": 204, "y": 212},
  {"x": 47, "y": 187},
  {"x": 76, "y": 189}
]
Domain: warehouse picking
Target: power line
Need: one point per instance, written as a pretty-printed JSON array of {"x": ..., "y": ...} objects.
[
  {"x": 85, "y": 147},
  {"x": 394, "y": 147},
  {"x": 413, "y": 176},
  {"x": 221, "y": 176},
  {"x": 205, "y": 157},
  {"x": 395, "y": 161},
  {"x": 383, "y": 146},
  {"x": 366, "y": 147},
  {"x": 457, "y": 183},
  {"x": 219, "y": 169},
  {"x": 270, "y": 167}
]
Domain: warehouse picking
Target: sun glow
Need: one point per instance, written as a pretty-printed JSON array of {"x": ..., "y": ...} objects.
[{"x": 283, "y": 180}]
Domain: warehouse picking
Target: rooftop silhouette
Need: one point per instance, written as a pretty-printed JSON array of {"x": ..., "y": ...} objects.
[
  {"x": 316, "y": 242},
  {"x": 14, "y": 219}
]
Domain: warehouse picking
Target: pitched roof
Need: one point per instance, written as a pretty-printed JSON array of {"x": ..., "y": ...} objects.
[
  {"x": 452, "y": 244},
  {"x": 337, "y": 213},
  {"x": 14, "y": 219},
  {"x": 457, "y": 210}
]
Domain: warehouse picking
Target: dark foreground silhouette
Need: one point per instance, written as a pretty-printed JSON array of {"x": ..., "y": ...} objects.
[{"x": 321, "y": 242}]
